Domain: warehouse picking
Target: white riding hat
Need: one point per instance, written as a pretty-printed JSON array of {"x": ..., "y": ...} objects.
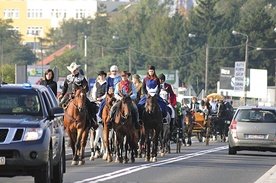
[
  {"x": 73, "y": 66},
  {"x": 113, "y": 68}
]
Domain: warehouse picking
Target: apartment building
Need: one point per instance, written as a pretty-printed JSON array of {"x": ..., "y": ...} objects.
[{"x": 33, "y": 18}]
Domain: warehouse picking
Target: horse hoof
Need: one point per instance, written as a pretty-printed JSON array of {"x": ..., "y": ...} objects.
[
  {"x": 132, "y": 160},
  {"x": 147, "y": 159},
  {"x": 154, "y": 159},
  {"x": 162, "y": 154},
  {"x": 81, "y": 162},
  {"x": 74, "y": 163},
  {"x": 91, "y": 158},
  {"x": 125, "y": 162}
]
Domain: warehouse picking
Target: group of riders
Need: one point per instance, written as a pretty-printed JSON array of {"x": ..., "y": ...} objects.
[{"x": 119, "y": 84}]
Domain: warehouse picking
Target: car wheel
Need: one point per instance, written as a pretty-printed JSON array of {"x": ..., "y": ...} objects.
[
  {"x": 232, "y": 151},
  {"x": 44, "y": 174},
  {"x": 58, "y": 169}
]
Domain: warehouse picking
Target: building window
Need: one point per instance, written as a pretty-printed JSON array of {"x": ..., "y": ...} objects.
[
  {"x": 11, "y": 13},
  {"x": 35, "y": 13},
  {"x": 58, "y": 13},
  {"x": 80, "y": 13},
  {"x": 35, "y": 31}
]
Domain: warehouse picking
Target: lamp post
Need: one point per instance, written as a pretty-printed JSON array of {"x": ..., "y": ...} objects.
[
  {"x": 85, "y": 56},
  {"x": 206, "y": 63},
  {"x": 245, "y": 63}
]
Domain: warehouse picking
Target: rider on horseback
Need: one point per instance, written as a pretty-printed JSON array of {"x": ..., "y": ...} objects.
[
  {"x": 76, "y": 78},
  {"x": 171, "y": 98},
  {"x": 152, "y": 83},
  {"x": 122, "y": 88},
  {"x": 111, "y": 82}
]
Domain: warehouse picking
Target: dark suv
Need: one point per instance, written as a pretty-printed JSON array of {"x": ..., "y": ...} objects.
[{"x": 31, "y": 133}]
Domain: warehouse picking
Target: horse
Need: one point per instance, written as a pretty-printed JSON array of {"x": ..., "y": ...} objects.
[
  {"x": 75, "y": 123},
  {"x": 223, "y": 120},
  {"x": 110, "y": 99},
  {"x": 165, "y": 134},
  {"x": 188, "y": 127},
  {"x": 124, "y": 127},
  {"x": 152, "y": 120},
  {"x": 96, "y": 142}
]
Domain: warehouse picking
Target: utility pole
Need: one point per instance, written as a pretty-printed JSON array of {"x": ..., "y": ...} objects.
[
  {"x": 206, "y": 68},
  {"x": 129, "y": 60}
]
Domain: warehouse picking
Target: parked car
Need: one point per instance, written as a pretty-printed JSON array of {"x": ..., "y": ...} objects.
[
  {"x": 32, "y": 139},
  {"x": 253, "y": 128}
]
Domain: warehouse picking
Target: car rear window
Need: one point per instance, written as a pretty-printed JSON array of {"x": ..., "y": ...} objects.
[{"x": 259, "y": 115}]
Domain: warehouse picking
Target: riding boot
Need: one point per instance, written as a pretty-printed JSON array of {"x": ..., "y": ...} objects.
[
  {"x": 135, "y": 116},
  {"x": 164, "y": 118},
  {"x": 112, "y": 116}
]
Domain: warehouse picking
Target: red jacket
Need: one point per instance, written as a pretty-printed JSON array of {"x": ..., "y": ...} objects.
[{"x": 172, "y": 96}]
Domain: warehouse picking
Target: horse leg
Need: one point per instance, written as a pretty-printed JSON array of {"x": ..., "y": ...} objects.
[
  {"x": 155, "y": 144},
  {"x": 96, "y": 141},
  {"x": 72, "y": 138},
  {"x": 83, "y": 142},
  {"x": 147, "y": 142},
  {"x": 125, "y": 158},
  {"x": 106, "y": 142},
  {"x": 92, "y": 144}
]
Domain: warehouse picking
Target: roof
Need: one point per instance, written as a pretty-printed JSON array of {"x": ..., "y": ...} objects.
[{"x": 51, "y": 57}]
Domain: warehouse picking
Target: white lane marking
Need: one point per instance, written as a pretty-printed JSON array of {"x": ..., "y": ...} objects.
[
  {"x": 269, "y": 176},
  {"x": 130, "y": 170}
]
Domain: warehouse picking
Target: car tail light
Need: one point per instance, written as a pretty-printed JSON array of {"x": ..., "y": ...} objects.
[
  {"x": 233, "y": 125},
  {"x": 233, "y": 128}
]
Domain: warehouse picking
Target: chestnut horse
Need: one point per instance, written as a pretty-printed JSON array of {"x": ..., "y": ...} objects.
[
  {"x": 124, "y": 127},
  {"x": 110, "y": 99},
  {"x": 152, "y": 119},
  {"x": 75, "y": 123}
]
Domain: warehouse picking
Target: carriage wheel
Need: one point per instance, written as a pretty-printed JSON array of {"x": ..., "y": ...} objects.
[
  {"x": 207, "y": 135},
  {"x": 178, "y": 141}
]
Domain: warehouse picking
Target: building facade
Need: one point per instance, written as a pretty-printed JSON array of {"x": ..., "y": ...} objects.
[{"x": 33, "y": 18}]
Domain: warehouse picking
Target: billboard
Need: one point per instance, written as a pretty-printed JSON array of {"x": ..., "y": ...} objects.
[
  {"x": 256, "y": 83},
  {"x": 227, "y": 78}
]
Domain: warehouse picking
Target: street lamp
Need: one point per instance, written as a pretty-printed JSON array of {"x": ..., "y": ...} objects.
[
  {"x": 206, "y": 62},
  {"x": 245, "y": 63},
  {"x": 85, "y": 56}
]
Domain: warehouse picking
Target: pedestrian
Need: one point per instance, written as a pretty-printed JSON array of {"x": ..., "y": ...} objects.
[{"x": 48, "y": 80}]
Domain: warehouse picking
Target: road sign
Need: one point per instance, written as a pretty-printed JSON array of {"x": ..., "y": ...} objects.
[{"x": 239, "y": 76}]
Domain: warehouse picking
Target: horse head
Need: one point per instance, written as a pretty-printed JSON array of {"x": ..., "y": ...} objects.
[
  {"x": 151, "y": 103},
  {"x": 79, "y": 100},
  {"x": 126, "y": 103},
  {"x": 189, "y": 117},
  {"x": 110, "y": 99}
]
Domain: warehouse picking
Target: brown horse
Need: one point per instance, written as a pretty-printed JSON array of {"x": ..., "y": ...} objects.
[
  {"x": 75, "y": 123},
  {"x": 188, "y": 127},
  {"x": 124, "y": 127},
  {"x": 152, "y": 119},
  {"x": 110, "y": 99}
]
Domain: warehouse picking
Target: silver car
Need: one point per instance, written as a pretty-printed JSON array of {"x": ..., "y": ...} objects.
[{"x": 253, "y": 128}]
